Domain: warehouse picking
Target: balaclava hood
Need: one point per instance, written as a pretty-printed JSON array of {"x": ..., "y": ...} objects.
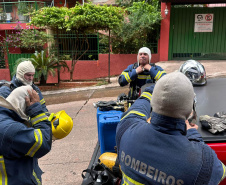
[
  {"x": 144, "y": 50},
  {"x": 22, "y": 68},
  {"x": 17, "y": 100},
  {"x": 173, "y": 96}
]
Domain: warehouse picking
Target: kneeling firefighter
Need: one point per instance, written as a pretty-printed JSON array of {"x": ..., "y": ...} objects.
[{"x": 61, "y": 124}]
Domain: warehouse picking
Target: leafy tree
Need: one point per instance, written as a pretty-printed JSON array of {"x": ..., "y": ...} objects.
[
  {"x": 26, "y": 37},
  {"x": 82, "y": 19},
  {"x": 140, "y": 27}
]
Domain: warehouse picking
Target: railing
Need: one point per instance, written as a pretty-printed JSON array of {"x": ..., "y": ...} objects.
[{"x": 12, "y": 12}]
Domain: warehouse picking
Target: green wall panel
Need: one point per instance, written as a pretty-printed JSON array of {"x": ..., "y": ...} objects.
[{"x": 185, "y": 43}]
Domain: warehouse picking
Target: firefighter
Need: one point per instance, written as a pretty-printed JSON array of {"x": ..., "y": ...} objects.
[
  {"x": 168, "y": 150},
  {"x": 24, "y": 76},
  {"x": 140, "y": 73},
  {"x": 22, "y": 144}
]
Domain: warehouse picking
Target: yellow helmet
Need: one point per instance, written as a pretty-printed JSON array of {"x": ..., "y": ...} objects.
[
  {"x": 61, "y": 125},
  {"x": 108, "y": 159}
]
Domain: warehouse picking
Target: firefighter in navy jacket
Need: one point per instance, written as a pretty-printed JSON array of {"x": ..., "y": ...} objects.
[
  {"x": 23, "y": 139},
  {"x": 140, "y": 73},
  {"x": 168, "y": 150},
  {"x": 24, "y": 76}
]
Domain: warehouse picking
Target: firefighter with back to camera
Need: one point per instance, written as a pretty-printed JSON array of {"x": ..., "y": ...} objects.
[{"x": 168, "y": 150}]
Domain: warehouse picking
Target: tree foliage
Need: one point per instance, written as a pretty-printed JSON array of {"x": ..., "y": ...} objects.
[
  {"x": 25, "y": 37},
  {"x": 82, "y": 19},
  {"x": 50, "y": 17},
  {"x": 139, "y": 28}
]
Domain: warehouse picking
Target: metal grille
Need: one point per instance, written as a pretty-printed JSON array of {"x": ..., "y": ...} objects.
[{"x": 71, "y": 44}]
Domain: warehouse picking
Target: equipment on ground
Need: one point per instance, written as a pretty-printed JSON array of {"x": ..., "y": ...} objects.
[
  {"x": 213, "y": 124},
  {"x": 195, "y": 72},
  {"x": 108, "y": 159},
  {"x": 61, "y": 124}
]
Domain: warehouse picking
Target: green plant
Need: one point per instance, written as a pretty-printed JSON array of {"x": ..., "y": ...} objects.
[
  {"x": 25, "y": 8},
  {"x": 82, "y": 19},
  {"x": 103, "y": 82},
  {"x": 27, "y": 37},
  {"x": 139, "y": 28},
  {"x": 44, "y": 65}
]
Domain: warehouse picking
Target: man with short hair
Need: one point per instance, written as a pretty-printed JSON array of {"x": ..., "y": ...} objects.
[
  {"x": 140, "y": 73},
  {"x": 168, "y": 150},
  {"x": 21, "y": 143},
  {"x": 24, "y": 76}
]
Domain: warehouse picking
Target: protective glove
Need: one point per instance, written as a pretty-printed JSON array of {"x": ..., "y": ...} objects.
[
  {"x": 213, "y": 124},
  {"x": 220, "y": 115}
]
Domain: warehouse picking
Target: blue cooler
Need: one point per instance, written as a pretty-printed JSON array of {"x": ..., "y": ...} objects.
[
  {"x": 107, "y": 131},
  {"x": 100, "y": 112}
]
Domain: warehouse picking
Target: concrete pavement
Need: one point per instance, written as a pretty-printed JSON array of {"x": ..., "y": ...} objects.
[{"x": 63, "y": 165}]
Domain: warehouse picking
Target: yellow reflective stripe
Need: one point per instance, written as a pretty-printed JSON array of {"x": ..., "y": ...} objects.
[
  {"x": 147, "y": 95},
  {"x": 126, "y": 75},
  {"x": 134, "y": 112},
  {"x": 39, "y": 118},
  {"x": 144, "y": 77},
  {"x": 38, "y": 143},
  {"x": 223, "y": 176},
  {"x": 3, "y": 174},
  {"x": 36, "y": 178},
  {"x": 129, "y": 181},
  {"x": 128, "y": 78},
  {"x": 42, "y": 101},
  {"x": 159, "y": 74}
]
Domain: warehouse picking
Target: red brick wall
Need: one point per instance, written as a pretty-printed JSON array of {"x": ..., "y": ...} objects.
[{"x": 88, "y": 70}]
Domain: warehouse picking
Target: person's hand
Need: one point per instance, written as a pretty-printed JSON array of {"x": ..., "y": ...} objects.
[
  {"x": 139, "y": 69},
  {"x": 191, "y": 125},
  {"x": 32, "y": 98},
  {"x": 147, "y": 67}
]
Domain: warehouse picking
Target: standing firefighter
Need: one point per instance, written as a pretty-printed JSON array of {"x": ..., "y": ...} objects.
[
  {"x": 21, "y": 143},
  {"x": 24, "y": 76},
  {"x": 140, "y": 73}
]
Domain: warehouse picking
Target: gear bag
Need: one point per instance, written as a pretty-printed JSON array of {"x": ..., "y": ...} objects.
[
  {"x": 215, "y": 124},
  {"x": 99, "y": 174}
]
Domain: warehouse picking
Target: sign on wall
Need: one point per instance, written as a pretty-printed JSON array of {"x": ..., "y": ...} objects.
[{"x": 203, "y": 23}]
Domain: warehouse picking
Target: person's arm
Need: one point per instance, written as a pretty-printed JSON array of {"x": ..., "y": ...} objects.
[
  {"x": 127, "y": 76},
  {"x": 218, "y": 168},
  {"x": 36, "y": 141},
  {"x": 5, "y": 91},
  {"x": 192, "y": 132},
  {"x": 139, "y": 112},
  {"x": 141, "y": 108},
  {"x": 42, "y": 100},
  {"x": 156, "y": 72}
]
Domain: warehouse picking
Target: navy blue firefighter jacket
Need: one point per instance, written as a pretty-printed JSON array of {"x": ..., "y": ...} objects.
[
  {"x": 136, "y": 81},
  {"x": 21, "y": 146},
  {"x": 163, "y": 151}
]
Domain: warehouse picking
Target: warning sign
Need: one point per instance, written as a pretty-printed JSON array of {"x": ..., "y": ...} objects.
[{"x": 203, "y": 23}]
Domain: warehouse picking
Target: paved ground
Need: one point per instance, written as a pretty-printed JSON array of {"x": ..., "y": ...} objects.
[{"x": 63, "y": 165}]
